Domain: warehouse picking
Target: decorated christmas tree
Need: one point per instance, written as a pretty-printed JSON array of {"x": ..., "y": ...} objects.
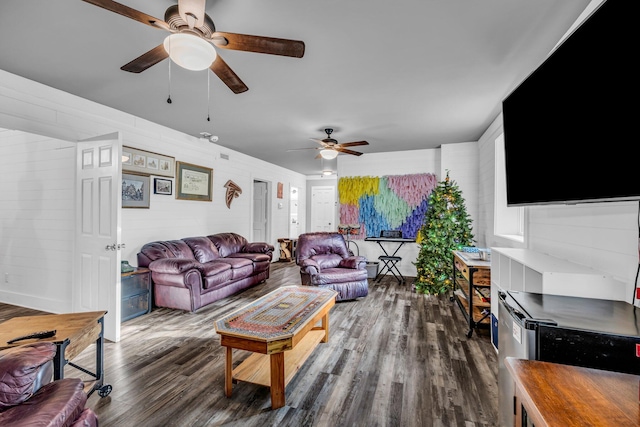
[{"x": 446, "y": 227}]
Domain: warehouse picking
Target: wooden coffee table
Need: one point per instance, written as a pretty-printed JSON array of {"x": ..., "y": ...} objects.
[
  {"x": 281, "y": 330},
  {"x": 74, "y": 333}
]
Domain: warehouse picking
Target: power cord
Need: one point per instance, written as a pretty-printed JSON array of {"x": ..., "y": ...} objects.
[{"x": 635, "y": 287}]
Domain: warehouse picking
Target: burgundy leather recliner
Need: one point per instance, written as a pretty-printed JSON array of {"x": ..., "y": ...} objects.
[
  {"x": 325, "y": 261},
  {"x": 28, "y": 397}
]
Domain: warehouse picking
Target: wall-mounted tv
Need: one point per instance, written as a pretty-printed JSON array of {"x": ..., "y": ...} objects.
[{"x": 571, "y": 127}]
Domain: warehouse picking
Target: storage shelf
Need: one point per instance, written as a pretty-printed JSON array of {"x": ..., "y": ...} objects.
[
  {"x": 256, "y": 368},
  {"x": 136, "y": 293},
  {"x": 472, "y": 290}
]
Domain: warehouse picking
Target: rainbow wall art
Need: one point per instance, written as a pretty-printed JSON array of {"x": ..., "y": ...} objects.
[{"x": 393, "y": 202}]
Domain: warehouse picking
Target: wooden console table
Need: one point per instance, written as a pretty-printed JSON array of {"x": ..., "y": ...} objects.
[
  {"x": 74, "y": 333},
  {"x": 280, "y": 329},
  {"x": 551, "y": 394}
]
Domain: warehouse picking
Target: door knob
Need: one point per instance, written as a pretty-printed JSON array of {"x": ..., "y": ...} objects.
[{"x": 110, "y": 247}]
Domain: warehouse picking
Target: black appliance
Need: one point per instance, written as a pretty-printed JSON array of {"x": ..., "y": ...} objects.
[{"x": 593, "y": 333}]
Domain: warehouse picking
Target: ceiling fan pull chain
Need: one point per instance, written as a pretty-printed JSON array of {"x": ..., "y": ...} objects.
[
  {"x": 169, "y": 98},
  {"x": 208, "y": 97}
]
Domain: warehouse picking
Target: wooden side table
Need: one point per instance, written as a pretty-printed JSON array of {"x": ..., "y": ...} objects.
[{"x": 287, "y": 249}]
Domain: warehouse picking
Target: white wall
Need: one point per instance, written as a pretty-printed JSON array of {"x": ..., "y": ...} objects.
[
  {"x": 37, "y": 208},
  {"x": 38, "y": 220}
]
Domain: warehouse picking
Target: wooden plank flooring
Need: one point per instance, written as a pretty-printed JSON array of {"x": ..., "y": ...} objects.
[{"x": 394, "y": 358}]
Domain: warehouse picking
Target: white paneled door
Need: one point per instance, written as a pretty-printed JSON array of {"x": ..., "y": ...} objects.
[
  {"x": 260, "y": 192},
  {"x": 323, "y": 208},
  {"x": 97, "y": 252}
]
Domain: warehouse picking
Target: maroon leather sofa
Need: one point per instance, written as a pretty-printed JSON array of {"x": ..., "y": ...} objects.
[
  {"x": 192, "y": 272},
  {"x": 325, "y": 261},
  {"x": 28, "y": 397}
]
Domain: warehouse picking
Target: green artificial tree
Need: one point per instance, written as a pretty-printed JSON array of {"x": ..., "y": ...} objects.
[{"x": 446, "y": 227}]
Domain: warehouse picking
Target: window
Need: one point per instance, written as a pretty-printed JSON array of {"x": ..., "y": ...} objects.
[{"x": 508, "y": 221}]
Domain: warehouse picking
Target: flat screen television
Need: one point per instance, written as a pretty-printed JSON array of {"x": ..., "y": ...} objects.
[{"x": 571, "y": 127}]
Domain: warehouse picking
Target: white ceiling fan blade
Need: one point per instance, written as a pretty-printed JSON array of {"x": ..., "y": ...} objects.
[{"x": 192, "y": 12}]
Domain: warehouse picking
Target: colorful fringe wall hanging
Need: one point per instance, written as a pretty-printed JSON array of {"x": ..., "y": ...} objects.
[{"x": 395, "y": 202}]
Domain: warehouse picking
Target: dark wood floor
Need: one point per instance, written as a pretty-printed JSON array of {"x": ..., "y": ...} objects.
[{"x": 394, "y": 358}]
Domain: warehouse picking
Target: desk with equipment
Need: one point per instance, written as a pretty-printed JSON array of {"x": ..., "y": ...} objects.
[{"x": 390, "y": 261}]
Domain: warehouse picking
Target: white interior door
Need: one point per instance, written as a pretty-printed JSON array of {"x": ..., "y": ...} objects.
[
  {"x": 97, "y": 252},
  {"x": 259, "y": 211},
  {"x": 323, "y": 208}
]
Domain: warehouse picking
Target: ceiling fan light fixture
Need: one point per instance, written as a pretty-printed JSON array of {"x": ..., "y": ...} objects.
[
  {"x": 190, "y": 51},
  {"x": 328, "y": 154}
]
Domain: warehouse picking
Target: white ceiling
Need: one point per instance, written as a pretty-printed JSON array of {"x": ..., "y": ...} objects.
[{"x": 403, "y": 74}]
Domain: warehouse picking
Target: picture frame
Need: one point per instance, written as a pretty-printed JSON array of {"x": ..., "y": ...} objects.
[
  {"x": 135, "y": 191},
  {"x": 194, "y": 182},
  {"x": 143, "y": 162},
  {"x": 162, "y": 186}
]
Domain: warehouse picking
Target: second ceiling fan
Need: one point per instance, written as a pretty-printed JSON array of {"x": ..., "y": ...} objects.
[
  {"x": 192, "y": 40},
  {"x": 330, "y": 148}
]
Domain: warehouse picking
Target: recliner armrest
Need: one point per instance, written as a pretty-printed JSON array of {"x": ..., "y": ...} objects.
[
  {"x": 309, "y": 266},
  {"x": 356, "y": 262}
]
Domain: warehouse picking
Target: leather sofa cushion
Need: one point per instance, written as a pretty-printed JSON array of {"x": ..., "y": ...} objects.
[
  {"x": 214, "y": 281},
  {"x": 214, "y": 268},
  {"x": 254, "y": 257},
  {"x": 237, "y": 262},
  {"x": 228, "y": 243},
  {"x": 19, "y": 369},
  {"x": 57, "y": 404},
  {"x": 203, "y": 249}
]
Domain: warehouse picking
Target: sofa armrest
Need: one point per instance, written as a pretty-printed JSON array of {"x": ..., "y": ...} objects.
[
  {"x": 258, "y": 247},
  {"x": 174, "y": 265},
  {"x": 355, "y": 262}
]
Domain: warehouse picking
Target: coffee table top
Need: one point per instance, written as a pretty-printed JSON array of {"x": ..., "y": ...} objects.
[{"x": 277, "y": 315}]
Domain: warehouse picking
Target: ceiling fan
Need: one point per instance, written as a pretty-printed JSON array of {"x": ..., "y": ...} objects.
[
  {"x": 330, "y": 148},
  {"x": 192, "y": 40}
]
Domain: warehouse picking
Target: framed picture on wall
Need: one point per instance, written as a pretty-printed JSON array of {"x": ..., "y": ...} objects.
[
  {"x": 147, "y": 163},
  {"x": 135, "y": 191},
  {"x": 193, "y": 182},
  {"x": 162, "y": 186}
]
